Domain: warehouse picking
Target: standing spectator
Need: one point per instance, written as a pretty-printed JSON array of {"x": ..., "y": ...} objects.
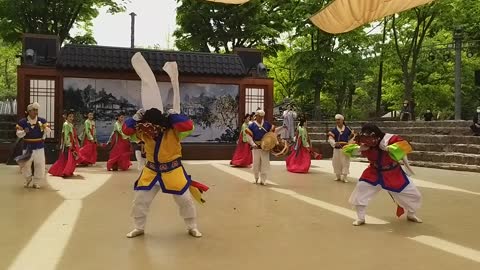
[
  {"x": 476, "y": 123},
  {"x": 288, "y": 131},
  {"x": 405, "y": 113}
]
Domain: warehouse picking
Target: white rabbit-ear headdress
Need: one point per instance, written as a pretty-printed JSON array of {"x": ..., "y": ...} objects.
[
  {"x": 171, "y": 69},
  {"x": 150, "y": 93}
]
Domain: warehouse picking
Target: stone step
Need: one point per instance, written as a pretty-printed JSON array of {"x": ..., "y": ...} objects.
[
  {"x": 435, "y": 147},
  {"x": 422, "y": 138},
  {"x": 7, "y": 125},
  {"x": 409, "y": 130},
  {"x": 436, "y": 165},
  {"x": 447, "y": 166},
  {"x": 445, "y": 157},
  {"x": 385, "y": 124},
  {"x": 8, "y": 134},
  {"x": 8, "y": 118},
  {"x": 442, "y": 139}
]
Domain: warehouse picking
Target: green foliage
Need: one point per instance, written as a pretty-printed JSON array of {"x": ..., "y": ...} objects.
[
  {"x": 8, "y": 70},
  {"x": 208, "y": 26},
  {"x": 54, "y": 17}
]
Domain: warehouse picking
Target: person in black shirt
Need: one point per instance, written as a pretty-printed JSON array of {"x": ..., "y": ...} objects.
[
  {"x": 405, "y": 113},
  {"x": 428, "y": 116},
  {"x": 476, "y": 123}
]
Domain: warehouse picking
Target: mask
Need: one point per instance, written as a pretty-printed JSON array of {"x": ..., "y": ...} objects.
[{"x": 369, "y": 140}]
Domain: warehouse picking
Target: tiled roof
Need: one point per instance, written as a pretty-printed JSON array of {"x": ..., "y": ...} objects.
[{"x": 118, "y": 59}]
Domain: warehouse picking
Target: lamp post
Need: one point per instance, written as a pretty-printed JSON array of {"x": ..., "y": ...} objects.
[
  {"x": 458, "y": 46},
  {"x": 458, "y": 37},
  {"x": 132, "y": 29}
]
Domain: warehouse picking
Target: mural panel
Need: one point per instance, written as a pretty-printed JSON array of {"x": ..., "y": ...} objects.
[{"x": 213, "y": 107}]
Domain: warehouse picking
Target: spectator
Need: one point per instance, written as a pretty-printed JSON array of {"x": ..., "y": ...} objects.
[
  {"x": 428, "y": 116},
  {"x": 405, "y": 113},
  {"x": 476, "y": 123}
]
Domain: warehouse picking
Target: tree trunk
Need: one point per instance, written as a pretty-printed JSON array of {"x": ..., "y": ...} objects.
[
  {"x": 317, "y": 110},
  {"x": 408, "y": 95}
]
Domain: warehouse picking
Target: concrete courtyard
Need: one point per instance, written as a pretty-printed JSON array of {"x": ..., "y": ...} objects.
[{"x": 298, "y": 221}]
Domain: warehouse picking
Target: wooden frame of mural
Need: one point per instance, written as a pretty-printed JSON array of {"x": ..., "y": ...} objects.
[{"x": 191, "y": 150}]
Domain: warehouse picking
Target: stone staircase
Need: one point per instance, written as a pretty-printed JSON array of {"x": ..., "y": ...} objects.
[{"x": 436, "y": 144}]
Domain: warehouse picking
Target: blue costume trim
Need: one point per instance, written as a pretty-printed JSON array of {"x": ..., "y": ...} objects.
[{"x": 163, "y": 167}]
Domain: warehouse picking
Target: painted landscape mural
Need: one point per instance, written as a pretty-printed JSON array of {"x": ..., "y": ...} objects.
[{"x": 212, "y": 107}]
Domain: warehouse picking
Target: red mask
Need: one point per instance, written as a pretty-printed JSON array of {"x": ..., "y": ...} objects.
[{"x": 369, "y": 140}]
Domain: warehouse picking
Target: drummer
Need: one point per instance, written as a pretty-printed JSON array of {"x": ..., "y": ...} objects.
[{"x": 261, "y": 158}]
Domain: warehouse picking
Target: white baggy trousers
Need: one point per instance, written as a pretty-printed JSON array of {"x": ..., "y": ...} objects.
[
  {"x": 261, "y": 164},
  {"x": 409, "y": 198},
  {"x": 38, "y": 160},
  {"x": 140, "y": 160},
  {"x": 341, "y": 164},
  {"x": 143, "y": 199}
]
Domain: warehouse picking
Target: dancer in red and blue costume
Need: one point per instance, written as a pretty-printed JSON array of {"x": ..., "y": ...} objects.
[{"x": 384, "y": 152}]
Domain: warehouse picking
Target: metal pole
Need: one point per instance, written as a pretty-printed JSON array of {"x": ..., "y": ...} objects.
[
  {"x": 132, "y": 35},
  {"x": 458, "y": 36},
  {"x": 380, "y": 71}
]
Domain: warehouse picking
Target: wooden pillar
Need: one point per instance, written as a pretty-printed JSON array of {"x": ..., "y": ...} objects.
[
  {"x": 241, "y": 103},
  {"x": 21, "y": 91}
]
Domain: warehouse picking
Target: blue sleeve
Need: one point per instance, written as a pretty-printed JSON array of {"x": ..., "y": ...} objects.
[
  {"x": 23, "y": 123},
  {"x": 42, "y": 120}
]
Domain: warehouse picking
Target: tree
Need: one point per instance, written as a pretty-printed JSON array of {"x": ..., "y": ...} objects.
[
  {"x": 53, "y": 17},
  {"x": 8, "y": 65},
  {"x": 207, "y": 26},
  {"x": 414, "y": 25}
]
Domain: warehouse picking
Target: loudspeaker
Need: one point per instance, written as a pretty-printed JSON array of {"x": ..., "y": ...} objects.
[
  {"x": 41, "y": 50},
  {"x": 477, "y": 77},
  {"x": 250, "y": 58}
]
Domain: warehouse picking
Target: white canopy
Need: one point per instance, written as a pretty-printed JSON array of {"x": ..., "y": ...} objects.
[{"x": 342, "y": 16}]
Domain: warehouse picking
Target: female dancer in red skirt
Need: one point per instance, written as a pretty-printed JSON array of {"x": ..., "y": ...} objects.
[
  {"x": 88, "y": 151},
  {"x": 67, "y": 160},
  {"x": 242, "y": 156},
  {"x": 299, "y": 160},
  {"x": 121, "y": 150}
]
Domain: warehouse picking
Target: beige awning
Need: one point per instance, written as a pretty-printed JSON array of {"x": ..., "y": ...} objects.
[
  {"x": 345, "y": 15},
  {"x": 230, "y": 1}
]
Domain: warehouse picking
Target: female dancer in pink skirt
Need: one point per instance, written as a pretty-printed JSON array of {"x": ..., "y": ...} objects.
[
  {"x": 88, "y": 151},
  {"x": 299, "y": 160},
  {"x": 121, "y": 148},
  {"x": 242, "y": 156},
  {"x": 67, "y": 160}
]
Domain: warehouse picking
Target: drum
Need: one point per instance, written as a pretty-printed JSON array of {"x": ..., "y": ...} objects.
[
  {"x": 281, "y": 149},
  {"x": 269, "y": 141}
]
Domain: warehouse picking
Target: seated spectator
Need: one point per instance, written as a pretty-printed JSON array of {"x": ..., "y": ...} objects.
[{"x": 428, "y": 116}]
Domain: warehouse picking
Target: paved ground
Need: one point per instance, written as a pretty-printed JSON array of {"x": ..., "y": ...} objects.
[{"x": 296, "y": 222}]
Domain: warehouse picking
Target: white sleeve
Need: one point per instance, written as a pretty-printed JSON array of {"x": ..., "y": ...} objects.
[
  {"x": 331, "y": 141},
  {"x": 21, "y": 133},
  {"x": 250, "y": 140}
]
